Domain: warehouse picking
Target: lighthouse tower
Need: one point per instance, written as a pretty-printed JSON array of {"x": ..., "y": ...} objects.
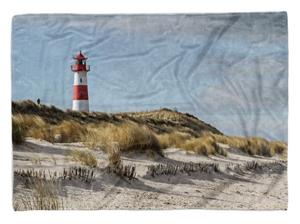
[{"x": 80, "y": 89}]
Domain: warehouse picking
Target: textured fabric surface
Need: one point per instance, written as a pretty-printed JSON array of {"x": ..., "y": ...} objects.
[{"x": 190, "y": 78}]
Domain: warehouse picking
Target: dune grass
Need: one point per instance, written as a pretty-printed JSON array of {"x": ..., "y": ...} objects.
[
  {"x": 153, "y": 130},
  {"x": 114, "y": 156},
  {"x": 44, "y": 195},
  {"x": 68, "y": 131},
  {"x": 253, "y": 145},
  {"x": 131, "y": 136},
  {"x": 128, "y": 136},
  {"x": 34, "y": 126},
  {"x": 18, "y": 131},
  {"x": 173, "y": 139},
  {"x": 85, "y": 158},
  {"x": 278, "y": 146},
  {"x": 29, "y": 126},
  {"x": 205, "y": 145}
]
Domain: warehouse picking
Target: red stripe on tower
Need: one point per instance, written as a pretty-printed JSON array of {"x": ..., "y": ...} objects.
[{"x": 80, "y": 92}]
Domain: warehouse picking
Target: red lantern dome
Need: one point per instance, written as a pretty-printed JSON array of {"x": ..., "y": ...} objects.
[
  {"x": 80, "y": 64},
  {"x": 80, "y": 56}
]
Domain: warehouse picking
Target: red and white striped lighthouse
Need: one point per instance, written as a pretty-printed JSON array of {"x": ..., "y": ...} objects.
[{"x": 80, "y": 89}]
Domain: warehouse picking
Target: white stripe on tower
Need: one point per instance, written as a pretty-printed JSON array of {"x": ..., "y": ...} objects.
[
  {"x": 80, "y": 78},
  {"x": 80, "y": 105}
]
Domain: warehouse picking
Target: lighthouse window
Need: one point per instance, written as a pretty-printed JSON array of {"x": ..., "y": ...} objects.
[{"x": 80, "y": 80}]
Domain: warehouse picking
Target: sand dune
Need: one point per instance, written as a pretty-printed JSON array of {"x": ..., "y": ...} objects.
[{"x": 232, "y": 187}]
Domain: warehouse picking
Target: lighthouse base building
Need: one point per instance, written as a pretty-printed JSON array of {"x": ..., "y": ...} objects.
[{"x": 80, "y": 87}]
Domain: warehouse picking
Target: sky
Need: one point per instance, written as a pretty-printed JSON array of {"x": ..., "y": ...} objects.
[{"x": 229, "y": 70}]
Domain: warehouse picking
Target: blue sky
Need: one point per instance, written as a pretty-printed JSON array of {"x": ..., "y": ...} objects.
[{"x": 230, "y": 70}]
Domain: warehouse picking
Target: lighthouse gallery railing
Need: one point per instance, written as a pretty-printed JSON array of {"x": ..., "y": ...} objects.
[{"x": 80, "y": 67}]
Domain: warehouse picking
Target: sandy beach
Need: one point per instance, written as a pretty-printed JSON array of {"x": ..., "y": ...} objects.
[{"x": 233, "y": 186}]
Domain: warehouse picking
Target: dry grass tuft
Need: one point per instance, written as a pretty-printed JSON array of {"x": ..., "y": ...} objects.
[
  {"x": 85, "y": 158},
  {"x": 44, "y": 196},
  {"x": 205, "y": 145},
  {"x": 174, "y": 139},
  {"x": 116, "y": 166},
  {"x": 278, "y": 146},
  {"x": 114, "y": 156},
  {"x": 69, "y": 131},
  {"x": 18, "y": 131},
  {"x": 128, "y": 136},
  {"x": 34, "y": 126},
  {"x": 253, "y": 145}
]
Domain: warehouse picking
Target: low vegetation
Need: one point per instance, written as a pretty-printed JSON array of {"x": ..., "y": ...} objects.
[
  {"x": 68, "y": 131},
  {"x": 208, "y": 143},
  {"x": 18, "y": 132},
  {"x": 154, "y": 130},
  {"x": 84, "y": 157},
  {"x": 278, "y": 147},
  {"x": 44, "y": 195},
  {"x": 128, "y": 137},
  {"x": 114, "y": 156},
  {"x": 205, "y": 145},
  {"x": 253, "y": 145},
  {"x": 173, "y": 139},
  {"x": 36, "y": 127},
  {"x": 116, "y": 165}
]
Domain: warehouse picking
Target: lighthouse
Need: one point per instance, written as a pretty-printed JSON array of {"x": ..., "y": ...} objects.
[{"x": 80, "y": 88}]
